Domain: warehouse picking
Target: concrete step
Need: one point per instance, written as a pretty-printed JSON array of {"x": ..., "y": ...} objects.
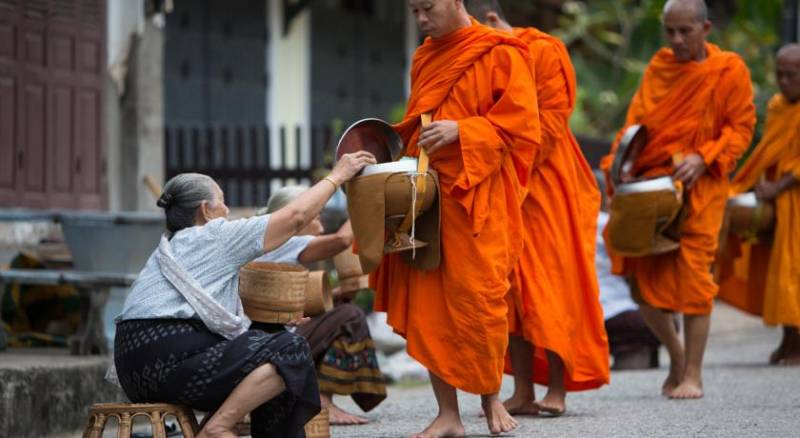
[{"x": 47, "y": 392}]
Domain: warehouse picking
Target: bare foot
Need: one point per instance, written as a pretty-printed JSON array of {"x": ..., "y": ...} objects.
[
  {"x": 776, "y": 356},
  {"x": 687, "y": 390},
  {"x": 216, "y": 432},
  {"x": 339, "y": 417},
  {"x": 517, "y": 405},
  {"x": 672, "y": 381},
  {"x": 497, "y": 417},
  {"x": 554, "y": 403},
  {"x": 790, "y": 360},
  {"x": 442, "y": 427}
]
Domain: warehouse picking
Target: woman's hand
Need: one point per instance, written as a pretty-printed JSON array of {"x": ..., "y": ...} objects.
[
  {"x": 437, "y": 135},
  {"x": 349, "y": 165},
  {"x": 298, "y": 322}
]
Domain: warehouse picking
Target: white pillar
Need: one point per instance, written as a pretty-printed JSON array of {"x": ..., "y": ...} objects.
[
  {"x": 412, "y": 41},
  {"x": 289, "y": 95}
]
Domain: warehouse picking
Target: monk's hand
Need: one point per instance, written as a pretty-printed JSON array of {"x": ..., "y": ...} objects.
[
  {"x": 437, "y": 135},
  {"x": 767, "y": 190},
  {"x": 349, "y": 165},
  {"x": 690, "y": 170}
]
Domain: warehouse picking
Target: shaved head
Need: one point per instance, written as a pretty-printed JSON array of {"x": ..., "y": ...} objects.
[
  {"x": 787, "y": 71},
  {"x": 437, "y": 18},
  {"x": 481, "y": 8},
  {"x": 686, "y": 28},
  {"x": 790, "y": 52},
  {"x": 698, "y": 7}
]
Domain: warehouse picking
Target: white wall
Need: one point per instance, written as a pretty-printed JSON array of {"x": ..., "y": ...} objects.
[
  {"x": 289, "y": 94},
  {"x": 123, "y": 19},
  {"x": 412, "y": 42}
]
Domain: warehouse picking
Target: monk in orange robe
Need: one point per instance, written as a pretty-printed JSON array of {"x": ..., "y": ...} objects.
[
  {"x": 696, "y": 101},
  {"x": 765, "y": 278},
  {"x": 554, "y": 302},
  {"x": 477, "y": 83}
]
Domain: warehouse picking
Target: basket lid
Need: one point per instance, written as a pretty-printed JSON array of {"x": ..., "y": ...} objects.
[{"x": 371, "y": 135}]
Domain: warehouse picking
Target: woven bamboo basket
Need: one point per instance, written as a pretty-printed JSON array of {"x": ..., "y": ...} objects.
[
  {"x": 347, "y": 264},
  {"x": 272, "y": 292},
  {"x": 318, "y": 294},
  {"x": 319, "y": 426},
  {"x": 349, "y": 286}
]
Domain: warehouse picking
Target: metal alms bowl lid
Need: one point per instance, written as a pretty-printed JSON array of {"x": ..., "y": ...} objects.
[
  {"x": 744, "y": 200},
  {"x": 633, "y": 140},
  {"x": 663, "y": 183},
  {"x": 402, "y": 166},
  {"x": 371, "y": 135}
]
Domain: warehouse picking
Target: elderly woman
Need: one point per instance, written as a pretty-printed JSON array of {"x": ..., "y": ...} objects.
[
  {"x": 340, "y": 341},
  {"x": 182, "y": 336}
]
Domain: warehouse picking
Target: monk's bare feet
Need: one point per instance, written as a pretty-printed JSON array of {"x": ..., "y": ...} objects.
[
  {"x": 517, "y": 405},
  {"x": 776, "y": 356},
  {"x": 688, "y": 389},
  {"x": 672, "y": 381},
  {"x": 521, "y": 406},
  {"x": 497, "y": 417},
  {"x": 443, "y": 426},
  {"x": 554, "y": 403},
  {"x": 790, "y": 360}
]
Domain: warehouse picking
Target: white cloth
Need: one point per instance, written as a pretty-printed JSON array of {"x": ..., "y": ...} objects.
[
  {"x": 213, "y": 315},
  {"x": 212, "y": 255},
  {"x": 615, "y": 294},
  {"x": 289, "y": 252}
]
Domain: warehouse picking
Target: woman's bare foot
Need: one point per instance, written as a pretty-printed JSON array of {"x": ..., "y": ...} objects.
[
  {"x": 687, "y": 390},
  {"x": 553, "y": 403},
  {"x": 211, "y": 431},
  {"x": 497, "y": 417},
  {"x": 672, "y": 381},
  {"x": 443, "y": 426},
  {"x": 339, "y": 417}
]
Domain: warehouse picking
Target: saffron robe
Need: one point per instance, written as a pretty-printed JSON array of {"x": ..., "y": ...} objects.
[
  {"x": 764, "y": 279},
  {"x": 689, "y": 107},
  {"x": 555, "y": 302},
  {"x": 454, "y": 318}
]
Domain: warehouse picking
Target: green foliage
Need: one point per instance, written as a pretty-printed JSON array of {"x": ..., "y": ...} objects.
[{"x": 611, "y": 42}]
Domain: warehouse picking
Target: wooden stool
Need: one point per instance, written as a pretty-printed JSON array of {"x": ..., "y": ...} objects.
[{"x": 100, "y": 412}]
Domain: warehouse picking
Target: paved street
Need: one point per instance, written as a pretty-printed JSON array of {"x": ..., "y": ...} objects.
[{"x": 744, "y": 398}]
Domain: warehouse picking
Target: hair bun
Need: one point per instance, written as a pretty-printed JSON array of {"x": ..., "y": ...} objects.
[{"x": 164, "y": 201}]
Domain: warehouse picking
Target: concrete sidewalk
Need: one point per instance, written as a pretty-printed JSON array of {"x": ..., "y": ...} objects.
[{"x": 744, "y": 398}]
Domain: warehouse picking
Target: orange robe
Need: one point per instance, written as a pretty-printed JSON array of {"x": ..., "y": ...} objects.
[
  {"x": 555, "y": 302},
  {"x": 694, "y": 107},
  {"x": 454, "y": 317},
  {"x": 765, "y": 279}
]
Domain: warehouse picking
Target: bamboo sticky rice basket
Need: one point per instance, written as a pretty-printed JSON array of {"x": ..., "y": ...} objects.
[
  {"x": 319, "y": 426},
  {"x": 347, "y": 264},
  {"x": 318, "y": 294},
  {"x": 272, "y": 292}
]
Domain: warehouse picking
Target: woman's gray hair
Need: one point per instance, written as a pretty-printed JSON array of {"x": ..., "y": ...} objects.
[
  {"x": 281, "y": 198},
  {"x": 182, "y": 195}
]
